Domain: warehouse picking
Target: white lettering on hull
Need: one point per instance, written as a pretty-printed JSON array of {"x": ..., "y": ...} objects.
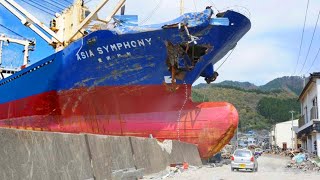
[{"x": 115, "y": 47}]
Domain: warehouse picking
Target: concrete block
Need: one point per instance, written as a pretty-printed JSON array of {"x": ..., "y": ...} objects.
[
  {"x": 185, "y": 152},
  {"x": 41, "y": 155},
  {"x": 47, "y": 155},
  {"x": 148, "y": 154},
  {"x": 109, "y": 153}
]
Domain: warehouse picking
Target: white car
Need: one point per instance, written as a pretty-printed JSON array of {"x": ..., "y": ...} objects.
[{"x": 244, "y": 159}]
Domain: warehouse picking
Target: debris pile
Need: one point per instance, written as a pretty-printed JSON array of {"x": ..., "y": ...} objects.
[
  {"x": 304, "y": 162},
  {"x": 172, "y": 171},
  {"x": 222, "y": 157},
  {"x": 130, "y": 173},
  {"x": 219, "y": 164}
]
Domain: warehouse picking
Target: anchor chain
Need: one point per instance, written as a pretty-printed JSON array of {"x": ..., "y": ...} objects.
[{"x": 180, "y": 111}]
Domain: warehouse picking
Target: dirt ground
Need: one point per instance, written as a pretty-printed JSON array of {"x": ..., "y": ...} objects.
[{"x": 271, "y": 167}]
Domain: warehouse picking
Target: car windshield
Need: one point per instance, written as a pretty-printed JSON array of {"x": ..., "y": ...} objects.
[{"x": 241, "y": 153}]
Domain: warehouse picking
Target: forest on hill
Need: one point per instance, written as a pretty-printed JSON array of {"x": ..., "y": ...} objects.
[{"x": 259, "y": 107}]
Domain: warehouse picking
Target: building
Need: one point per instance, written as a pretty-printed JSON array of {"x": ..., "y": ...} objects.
[
  {"x": 309, "y": 124},
  {"x": 251, "y": 141},
  {"x": 283, "y": 136}
]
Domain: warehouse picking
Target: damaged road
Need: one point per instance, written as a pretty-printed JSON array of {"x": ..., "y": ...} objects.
[{"x": 270, "y": 167}]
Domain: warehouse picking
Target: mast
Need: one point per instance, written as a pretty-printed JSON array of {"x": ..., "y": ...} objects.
[
  {"x": 91, "y": 16},
  {"x": 181, "y": 7}
]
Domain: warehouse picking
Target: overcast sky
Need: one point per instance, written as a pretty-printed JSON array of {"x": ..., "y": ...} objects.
[{"x": 269, "y": 50}]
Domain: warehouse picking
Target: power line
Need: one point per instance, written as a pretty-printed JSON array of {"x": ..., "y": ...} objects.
[
  {"x": 314, "y": 31},
  {"x": 64, "y": 4},
  {"x": 50, "y": 13},
  {"x": 52, "y": 7},
  {"x": 40, "y": 5},
  {"x": 68, "y": 2},
  {"x": 214, "y": 6},
  {"x": 152, "y": 12},
  {"x": 13, "y": 32},
  {"x": 314, "y": 60},
  {"x": 87, "y": 1},
  {"x": 304, "y": 25},
  {"x": 226, "y": 59},
  {"x": 195, "y": 6},
  {"x": 60, "y": 8}
]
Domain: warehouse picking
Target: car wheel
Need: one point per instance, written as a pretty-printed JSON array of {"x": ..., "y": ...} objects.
[
  {"x": 256, "y": 169},
  {"x": 232, "y": 169}
]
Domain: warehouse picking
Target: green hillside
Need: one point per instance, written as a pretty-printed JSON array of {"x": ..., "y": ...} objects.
[
  {"x": 242, "y": 85},
  {"x": 258, "y": 109},
  {"x": 289, "y": 83},
  {"x": 286, "y": 83}
]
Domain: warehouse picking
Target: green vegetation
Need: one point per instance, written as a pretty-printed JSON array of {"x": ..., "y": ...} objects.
[
  {"x": 288, "y": 83},
  {"x": 258, "y": 108},
  {"x": 277, "y": 110},
  {"x": 291, "y": 84}
]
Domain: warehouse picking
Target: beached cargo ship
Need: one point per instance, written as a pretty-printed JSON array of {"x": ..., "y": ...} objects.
[{"x": 128, "y": 80}]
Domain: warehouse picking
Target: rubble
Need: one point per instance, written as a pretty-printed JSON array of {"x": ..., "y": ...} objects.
[
  {"x": 226, "y": 152},
  {"x": 127, "y": 174},
  {"x": 172, "y": 170},
  {"x": 304, "y": 162},
  {"x": 220, "y": 159},
  {"x": 300, "y": 159}
]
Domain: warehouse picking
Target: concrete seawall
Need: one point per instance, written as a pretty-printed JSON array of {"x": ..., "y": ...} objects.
[{"x": 47, "y": 155}]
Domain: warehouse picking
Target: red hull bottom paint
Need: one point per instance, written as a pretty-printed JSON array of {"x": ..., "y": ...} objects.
[{"x": 127, "y": 111}]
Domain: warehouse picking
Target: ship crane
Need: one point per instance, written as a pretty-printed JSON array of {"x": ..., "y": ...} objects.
[
  {"x": 28, "y": 45},
  {"x": 66, "y": 27}
]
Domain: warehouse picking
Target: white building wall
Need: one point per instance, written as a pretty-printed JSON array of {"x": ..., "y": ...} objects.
[
  {"x": 307, "y": 100},
  {"x": 318, "y": 92},
  {"x": 283, "y": 133},
  {"x": 309, "y": 148},
  {"x": 318, "y": 144}
]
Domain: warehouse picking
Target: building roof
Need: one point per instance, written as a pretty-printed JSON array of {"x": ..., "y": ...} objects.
[
  {"x": 311, "y": 78},
  {"x": 295, "y": 121}
]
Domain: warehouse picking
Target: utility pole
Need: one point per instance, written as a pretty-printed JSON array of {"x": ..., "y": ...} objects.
[
  {"x": 292, "y": 128},
  {"x": 181, "y": 7},
  {"x": 237, "y": 137}
]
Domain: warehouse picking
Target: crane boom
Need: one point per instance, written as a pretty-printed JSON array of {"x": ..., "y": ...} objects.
[
  {"x": 64, "y": 28},
  {"x": 28, "y": 20}
]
